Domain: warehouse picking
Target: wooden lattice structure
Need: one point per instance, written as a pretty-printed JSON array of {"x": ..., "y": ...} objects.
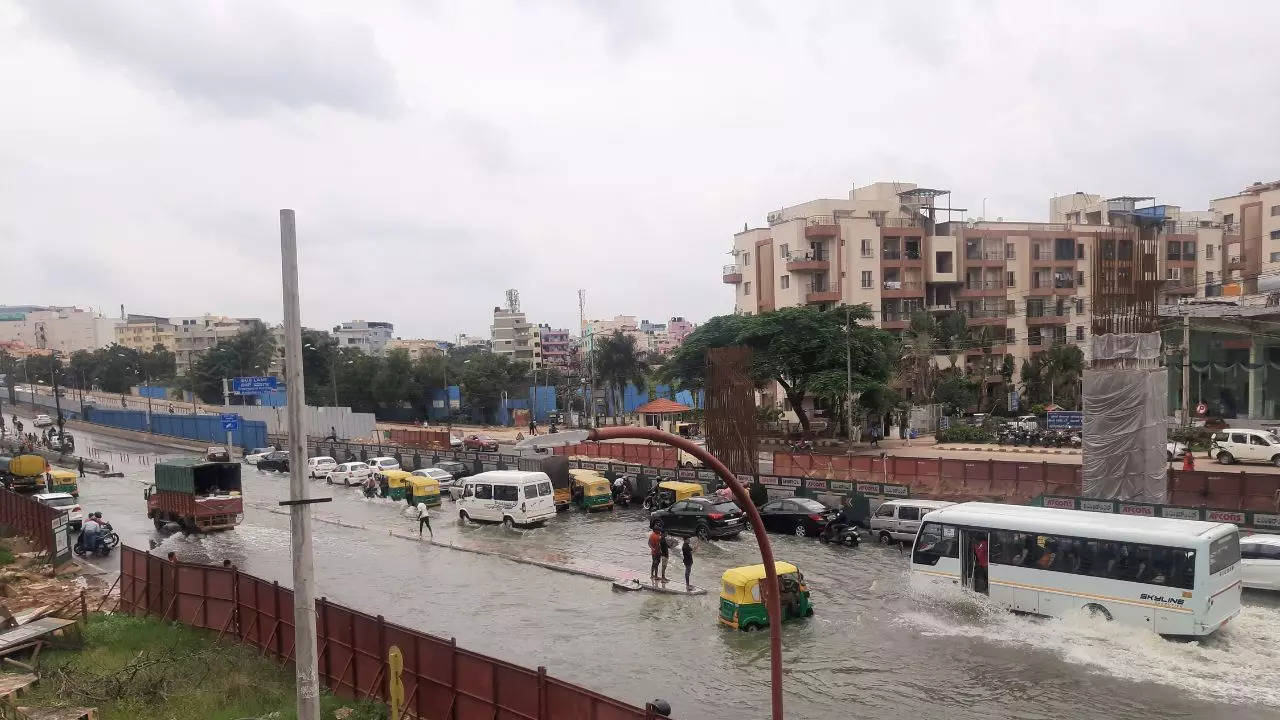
[
  {"x": 1126, "y": 281},
  {"x": 731, "y": 409}
]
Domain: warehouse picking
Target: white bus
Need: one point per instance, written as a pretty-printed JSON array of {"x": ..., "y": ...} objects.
[{"x": 1176, "y": 577}]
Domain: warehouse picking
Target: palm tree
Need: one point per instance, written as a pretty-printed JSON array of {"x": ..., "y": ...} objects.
[
  {"x": 620, "y": 363},
  {"x": 1064, "y": 365}
]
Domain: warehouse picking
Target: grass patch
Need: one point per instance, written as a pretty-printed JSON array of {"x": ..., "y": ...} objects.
[
  {"x": 6, "y": 556},
  {"x": 144, "y": 669}
]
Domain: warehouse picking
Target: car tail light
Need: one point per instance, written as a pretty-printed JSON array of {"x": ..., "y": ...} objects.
[
  {"x": 715, "y": 516},
  {"x": 815, "y": 517}
]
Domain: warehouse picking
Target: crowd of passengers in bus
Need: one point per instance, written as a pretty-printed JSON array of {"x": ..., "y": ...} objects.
[{"x": 1151, "y": 564}]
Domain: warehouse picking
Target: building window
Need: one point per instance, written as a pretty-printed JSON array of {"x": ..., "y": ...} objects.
[
  {"x": 866, "y": 278},
  {"x": 1010, "y": 337},
  {"x": 1080, "y": 251},
  {"x": 786, "y": 282},
  {"x": 1008, "y": 279},
  {"x": 1079, "y": 306},
  {"x": 1175, "y": 273},
  {"x": 1009, "y": 252},
  {"x": 784, "y": 250},
  {"x": 866, "y": 248},
  {"x": 1208, "y": 252},
  {"x": 1275, "y": 257},
  {"x": 1079, "y": 332},
  {"x": 1208, "y": 277},
  {"x": 1011, "y": 307},
  {"x": 1229, "y": 219},
  {"x": 1275, "y": 234},
  {"x": 746, "y": 259},
  {"x": 1275, "y": 210},
  {"x": 942, "y": 262},
  {"x": 1079, "y": 278},
  {"x": 746, "y": 288}
]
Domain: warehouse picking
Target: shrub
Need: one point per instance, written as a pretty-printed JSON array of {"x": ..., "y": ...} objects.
[{"x": 965, "y": 433}]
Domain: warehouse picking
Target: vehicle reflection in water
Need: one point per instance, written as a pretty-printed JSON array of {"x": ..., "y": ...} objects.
[{"x": 874, "y": 647}]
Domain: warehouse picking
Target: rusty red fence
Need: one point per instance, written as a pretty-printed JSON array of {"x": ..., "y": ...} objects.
[
  {"x": 28, "y": 518},
  {"x": 659, "y": 456},
  {"x": 440, "y": 679}
]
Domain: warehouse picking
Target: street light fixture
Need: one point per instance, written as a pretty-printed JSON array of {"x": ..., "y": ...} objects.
[{"x": 772, "y": 599}]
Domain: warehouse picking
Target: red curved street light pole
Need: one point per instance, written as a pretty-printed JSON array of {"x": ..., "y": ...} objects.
[{"x": 772, "y": 600}]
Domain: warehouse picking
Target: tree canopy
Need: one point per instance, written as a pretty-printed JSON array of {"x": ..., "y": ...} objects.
[
  {"x": 803, "y": 349},
  {"x": 620, "y": 363}
]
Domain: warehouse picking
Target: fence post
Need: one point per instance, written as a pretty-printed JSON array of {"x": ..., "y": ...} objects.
[
  {"x": 382, "y": 653},
  {"x": 275, "y": 611},
  {"x": 453, "y": 677},
  {"x": 325, "y": 675},
  {"x": 542, "y": 692},
  {"x": 235, "y": 601}
]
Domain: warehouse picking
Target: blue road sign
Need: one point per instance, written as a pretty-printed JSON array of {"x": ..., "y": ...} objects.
[
  {"x": 253, "y": 385},
  {"x": 944, "y": 423},
  {"x": 1013, "y": 400},
  {"x": 230, "y": 421},
  {"x": 1064, "y": 420}
]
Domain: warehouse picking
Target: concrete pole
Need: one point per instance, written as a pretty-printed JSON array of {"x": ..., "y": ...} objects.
[
  {"x": 226, "y": 402},
  {"x": 304, "y": 603}
]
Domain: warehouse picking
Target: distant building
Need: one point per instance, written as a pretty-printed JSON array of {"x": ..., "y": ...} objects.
[
  {"x": 418, "y": 348},
  {"x": 368, "y": 337},
  {"x": 556, "y": 346},
  {"x": 651, "y": 337},
  {"x": 466, "y": 341},
  {"x": 144, "y": 332},
  {"x": 678, "y": 329},
  {"x": 62, "y": 329},
  {"x": 513, "y": 336},
  {"x": 193, "y": 336}
]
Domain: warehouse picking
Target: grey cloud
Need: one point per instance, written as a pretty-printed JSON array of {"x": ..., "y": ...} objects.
[{"x": 242, "y": 56}]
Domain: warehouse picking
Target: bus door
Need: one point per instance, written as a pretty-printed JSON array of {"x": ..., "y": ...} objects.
[{"x": 974, "y": 549}]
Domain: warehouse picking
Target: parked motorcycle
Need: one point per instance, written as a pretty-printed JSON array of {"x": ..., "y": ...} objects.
[{"x": 801, "y": 446}]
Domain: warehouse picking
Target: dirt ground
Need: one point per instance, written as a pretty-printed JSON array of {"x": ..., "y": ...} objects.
[{"x": 29, "y": 583}]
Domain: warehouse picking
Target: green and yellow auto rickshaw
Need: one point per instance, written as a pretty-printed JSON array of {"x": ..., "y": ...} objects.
[
  {"x": 423, "y": 490},
  {"x": 669, "y": 492},
  {"x": 64, "y": 481},
  {"x": 742, "y": 603},
  {"x": 394, "y": 483},
  {"x": 590, "y": 490}
]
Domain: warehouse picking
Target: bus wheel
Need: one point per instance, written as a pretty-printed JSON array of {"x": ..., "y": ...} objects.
[
  {"x": 462, "y": 516},
  {"x": 508, "y": 523},
  {"x": 1095, "y": 610}
]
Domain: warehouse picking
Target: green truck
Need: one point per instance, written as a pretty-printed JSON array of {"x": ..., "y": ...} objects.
[{"x": 197, "y": 494}]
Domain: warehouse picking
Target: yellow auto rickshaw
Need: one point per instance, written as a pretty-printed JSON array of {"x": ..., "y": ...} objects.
[
  {"x": 394, "y": 484},
  {"x": 742, "y": 602},
  {"x": 62, "y": 481},
  {"x": 423, "y": 490},
  {"x": 590, "y": 490},
  {"x": 669, "y": 492}
]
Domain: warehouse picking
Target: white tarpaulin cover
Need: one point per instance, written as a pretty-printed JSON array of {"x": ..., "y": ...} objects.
[{"x": 1124, "y": 435}]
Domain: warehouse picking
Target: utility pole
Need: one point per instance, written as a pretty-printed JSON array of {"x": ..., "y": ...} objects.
[
  {"x": 848, "y": 378},
  {"x": 1186, "y": 367},
  {"x": 226, "y": 402},
  {"x": 304, "y": 603}
]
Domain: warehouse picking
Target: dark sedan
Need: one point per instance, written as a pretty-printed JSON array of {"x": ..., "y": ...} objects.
[
  {"x": 457, "y": 469},
  {"x": 702, "y": 516},
  {"x": 278, "y": 461},
  {"x": 796, "y": 516}
]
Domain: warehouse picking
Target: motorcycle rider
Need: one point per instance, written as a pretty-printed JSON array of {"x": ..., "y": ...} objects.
[{"x": 90, "y": 533}]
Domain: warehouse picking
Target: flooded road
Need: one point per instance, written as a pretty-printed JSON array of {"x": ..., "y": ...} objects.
[{"x": 873, "y": 649}]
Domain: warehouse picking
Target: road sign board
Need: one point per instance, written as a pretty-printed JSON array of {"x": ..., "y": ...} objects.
[
  {"x": 253, "y": 385},
  {"x": 944, "y": 423},
  {"x": 1202, "y": 409},
  {"x": 230, "y": 421},
  {"x": 1064, "y": 420},
  {"x": 1013, "y": 400}
]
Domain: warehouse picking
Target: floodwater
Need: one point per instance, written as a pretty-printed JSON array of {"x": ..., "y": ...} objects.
[{"x": 873, "y": 649}]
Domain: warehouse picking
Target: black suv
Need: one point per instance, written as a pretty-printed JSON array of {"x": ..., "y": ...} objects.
[
  {"x": 278, "y": 461},
  {"x": 702, "y": 516}
]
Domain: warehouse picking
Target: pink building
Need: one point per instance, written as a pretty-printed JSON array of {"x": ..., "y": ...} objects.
[
  {"x": 678, "y": 329},
  {"x": 555, "y": 346}
]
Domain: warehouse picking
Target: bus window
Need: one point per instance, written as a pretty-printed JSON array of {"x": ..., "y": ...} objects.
[
  {"x": 1223, "y": 553},
  {"x": 936, "y": 541}
]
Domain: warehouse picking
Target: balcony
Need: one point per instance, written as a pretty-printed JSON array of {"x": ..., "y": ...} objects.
[
  {"x": 900, "y": 288},
  {"x": 944, "y": 307},
  {"x": 1050, "y": 317},
  {"x": 807, "y": 262},
  {"x": 971, "y": 255},
  {"x": 731, "y": 273},
  {"x": 821, "y": 294},
  {"x": 1237, "y": 260},
  {"x": 983, "y": 287},
  {"x": 823, "y": 226},
  {"x": 908, "y": 255}
]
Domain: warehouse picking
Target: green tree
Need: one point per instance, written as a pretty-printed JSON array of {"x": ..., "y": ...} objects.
[
  {"x": 394, "y": 382},
  {"x": 158, "y": 364},
  {"x": 248, "y": 353},
  {"x": 483, "y": 378},
  {"x": 620, "y": 363},
  {"x": 952, "y": 333},
  {"x": 956, "y": 393},
  {"x": 916, "y": 368},
  {"x": 800, "y": 348}
]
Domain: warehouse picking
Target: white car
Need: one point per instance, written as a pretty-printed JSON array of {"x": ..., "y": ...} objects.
[
  {"x": 253, "y": 456},
  {"x": 352, "y": 473},
  {"x": 319, "y": 467},
  {"x": 42, "y": 420},
  {"x": 384, "y": 463},
  {"x": 455, "y": 441},
  {"x": 1260, "y": 561},
  {"x": 441, "y": 476},
  {"x": 1175, "y": 450},
  {"x": 1245, "y": 445},
  {"x": 64, "y": 501}
]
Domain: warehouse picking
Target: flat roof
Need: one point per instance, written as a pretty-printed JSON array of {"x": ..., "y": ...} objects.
[{"x": 1077, "y": 523}]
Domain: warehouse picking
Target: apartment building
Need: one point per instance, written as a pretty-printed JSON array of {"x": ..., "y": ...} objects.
[
  {"x": 1022, "y": 286},
  {"x": 1250, "y": 223},
  {"x": 144, "y": 332},
  {"x": 418, "y": 348},
  {"x": 195, "y": 335},
  {"x": 367, "y": 336},
  {"x": 556, "y": 346},
  {"x": 61, "y": 329},
  {"x": 512, "y": 335}
]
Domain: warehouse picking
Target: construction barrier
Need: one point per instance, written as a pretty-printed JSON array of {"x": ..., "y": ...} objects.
[
  {"x": 44, "y": 526},
  {"x": 440, "y": 680}
]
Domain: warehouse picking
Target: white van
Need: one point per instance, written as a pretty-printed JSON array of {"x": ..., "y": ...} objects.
[
  {"x": 1242, "y": 444},
  {"x": 511, "y": 497},
  {"x": 900, "y": 519}
]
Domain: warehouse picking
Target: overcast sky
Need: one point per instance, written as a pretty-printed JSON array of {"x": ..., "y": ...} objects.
[{"x": 438, "y": 153}]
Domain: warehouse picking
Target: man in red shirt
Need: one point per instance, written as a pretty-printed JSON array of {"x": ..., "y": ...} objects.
[
  {"x": 980, "y": 566},
  {"x": 655, "y": 550}
]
